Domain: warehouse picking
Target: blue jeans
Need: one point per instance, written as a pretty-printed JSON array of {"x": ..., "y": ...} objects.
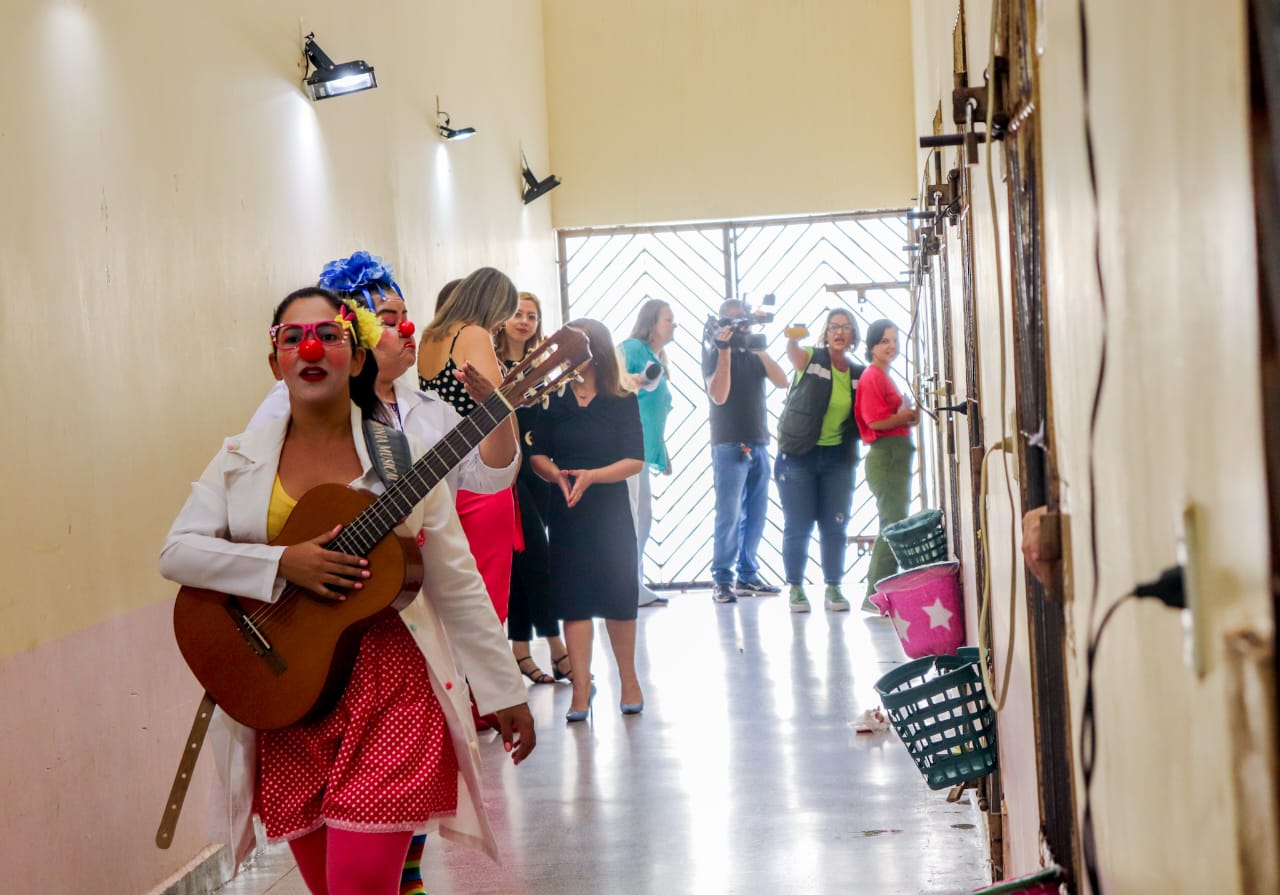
[
  {"x": 816, "y": 487},
  {"x": 742, "y": 500}
]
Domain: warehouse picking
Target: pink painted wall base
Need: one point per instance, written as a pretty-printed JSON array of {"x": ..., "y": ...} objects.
[{"x": 93, "y": 725}]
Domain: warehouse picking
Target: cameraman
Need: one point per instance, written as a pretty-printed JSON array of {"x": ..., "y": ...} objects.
[{"x": 735, "y": 376}]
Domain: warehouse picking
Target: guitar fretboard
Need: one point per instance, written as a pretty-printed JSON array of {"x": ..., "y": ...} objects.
[{"x": 393, "y": 506}]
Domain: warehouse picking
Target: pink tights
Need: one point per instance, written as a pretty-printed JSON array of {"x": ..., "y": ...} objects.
[{"x": 340, "y": 862}]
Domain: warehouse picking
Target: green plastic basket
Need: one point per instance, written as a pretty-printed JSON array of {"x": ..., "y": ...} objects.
[
  {"x": 918, "y": 540},
  {"x": 1042, "y": 882},
  {"x": 940, "y": 710}
]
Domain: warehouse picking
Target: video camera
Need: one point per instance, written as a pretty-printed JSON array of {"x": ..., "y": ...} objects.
[{"x": 741, "y": 336}]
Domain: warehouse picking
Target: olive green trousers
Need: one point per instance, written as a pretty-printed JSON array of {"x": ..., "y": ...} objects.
[{"x": 888, "y": 472}]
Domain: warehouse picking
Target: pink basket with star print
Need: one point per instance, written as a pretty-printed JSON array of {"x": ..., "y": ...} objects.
[{"x": 926, "y": 607}]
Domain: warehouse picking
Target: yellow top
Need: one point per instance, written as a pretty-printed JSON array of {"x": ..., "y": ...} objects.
[{"x": 279, "y": 509}]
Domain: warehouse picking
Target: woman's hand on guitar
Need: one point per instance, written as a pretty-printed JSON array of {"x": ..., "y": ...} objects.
[
  {"x": 324, "y": 574},
  {"x": 516, "y": 724},
  {"x": 477, "y": 385}
]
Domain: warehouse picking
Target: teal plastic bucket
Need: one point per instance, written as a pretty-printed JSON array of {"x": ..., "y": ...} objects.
[
  {"x": 918, "y": 540},
  {"x": 940, "y": 710}
]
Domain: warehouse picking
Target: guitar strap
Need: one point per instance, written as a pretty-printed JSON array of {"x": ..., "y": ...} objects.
[
  {"x": 186, "y": 767},
  {"x": 389, "y": 451}
]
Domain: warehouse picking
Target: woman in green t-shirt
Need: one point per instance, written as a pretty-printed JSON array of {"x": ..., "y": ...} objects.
[{"x": 817, "y": 451}]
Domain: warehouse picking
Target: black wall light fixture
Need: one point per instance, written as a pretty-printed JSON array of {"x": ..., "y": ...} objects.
[
  {"x": 535, "y": 187},
  {"x": 329, "y": 79},
  {"x": 449, "y": 132}
]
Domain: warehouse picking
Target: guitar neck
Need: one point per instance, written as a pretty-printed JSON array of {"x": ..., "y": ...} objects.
[{"x": 394, "y": 505}]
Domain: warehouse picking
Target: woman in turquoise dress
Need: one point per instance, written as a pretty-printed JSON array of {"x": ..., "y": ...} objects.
[{"x": 644, "y": 358}]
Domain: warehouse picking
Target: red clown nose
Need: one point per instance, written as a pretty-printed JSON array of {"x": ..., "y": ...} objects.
[
  {"x": 406, "y": 328},
  {"x": 311, "y": 351}
]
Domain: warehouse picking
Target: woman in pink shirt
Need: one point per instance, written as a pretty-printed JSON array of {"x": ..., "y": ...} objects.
[{"x": 884, "y": 421}]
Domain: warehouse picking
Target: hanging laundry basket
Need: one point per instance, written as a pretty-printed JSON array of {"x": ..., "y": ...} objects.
[
  {"x": 918, "y": 540},
  {"x": 926, "y": 608},
  {"x": 1042, "y": 882},
  {"x": 940, "y": 710}
]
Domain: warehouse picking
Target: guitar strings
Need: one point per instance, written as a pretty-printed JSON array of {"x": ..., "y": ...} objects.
[
  {"x": 361, "y": 535},
  {"x": 366, "y": 526}
]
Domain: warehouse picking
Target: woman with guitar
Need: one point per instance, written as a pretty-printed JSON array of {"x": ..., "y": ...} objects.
[
  {"x": 395, "y": 754},
  {"x": 489, "y": 468}
]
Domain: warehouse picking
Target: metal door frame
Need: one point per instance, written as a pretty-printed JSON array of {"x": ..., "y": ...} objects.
[{"x": 739, "y": 255}]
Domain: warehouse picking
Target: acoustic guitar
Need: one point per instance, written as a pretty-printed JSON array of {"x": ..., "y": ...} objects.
[{"x": 270, "y": 665}]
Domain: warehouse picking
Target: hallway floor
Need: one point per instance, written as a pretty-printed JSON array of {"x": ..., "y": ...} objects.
[{"x": 742, "y": 776}]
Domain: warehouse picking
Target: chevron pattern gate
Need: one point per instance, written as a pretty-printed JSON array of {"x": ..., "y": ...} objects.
[{"x": 811, "y": 264}]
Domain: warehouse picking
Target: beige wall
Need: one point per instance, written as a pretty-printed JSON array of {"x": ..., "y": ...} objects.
[
  {"x": 164, "y": 182},
  {"x": 674, "y": 110},
  {"x": 1180, "y": 418}
]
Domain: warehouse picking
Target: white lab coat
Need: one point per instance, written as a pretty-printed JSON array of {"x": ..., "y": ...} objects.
[
  {"x": 218, "y": 541},
  {"x": 426, "y": 418}
]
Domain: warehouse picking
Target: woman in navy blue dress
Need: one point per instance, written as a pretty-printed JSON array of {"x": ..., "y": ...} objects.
[{"x": 587, "y": 443}]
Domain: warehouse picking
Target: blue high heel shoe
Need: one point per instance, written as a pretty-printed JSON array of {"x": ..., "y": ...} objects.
[
  {"x": 571, "y": 716},
  {"x": 631, "y": 708}
]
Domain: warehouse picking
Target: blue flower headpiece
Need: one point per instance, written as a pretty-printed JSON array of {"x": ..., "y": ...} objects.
[{"x": 358, "y": 274}]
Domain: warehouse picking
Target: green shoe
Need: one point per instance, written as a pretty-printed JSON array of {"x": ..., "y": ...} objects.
[
  {"x": 835, "y": 600},
  {"x": 799, "y": 602}
]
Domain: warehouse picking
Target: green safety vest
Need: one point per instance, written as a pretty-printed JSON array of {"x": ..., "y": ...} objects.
[{"x": 807, "y": 401}]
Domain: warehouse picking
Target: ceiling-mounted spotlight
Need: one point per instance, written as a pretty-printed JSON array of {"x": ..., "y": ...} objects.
[
  {"x": 329, "y": 79},
  {"x": 448, "y": 132},
  {"x": 536, "y": 187}
]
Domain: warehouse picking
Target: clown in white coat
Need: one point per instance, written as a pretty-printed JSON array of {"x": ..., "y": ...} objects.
[{"x": 218, "y": 542}]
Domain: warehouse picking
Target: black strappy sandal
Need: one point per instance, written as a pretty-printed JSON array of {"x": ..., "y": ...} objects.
[
  {"x": 562, "y": 675},
  {"x": 535, "y": 674}
]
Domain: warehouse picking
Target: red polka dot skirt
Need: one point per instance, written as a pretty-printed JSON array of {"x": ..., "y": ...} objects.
[{"x": 381, "y": 761}]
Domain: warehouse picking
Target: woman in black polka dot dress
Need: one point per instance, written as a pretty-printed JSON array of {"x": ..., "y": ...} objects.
[{"x": 461, "y": 334}]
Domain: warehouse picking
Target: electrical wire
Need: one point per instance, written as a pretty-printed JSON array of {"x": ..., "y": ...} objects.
[
  {"x": 1087, "y": 724},
  {"x": 997, "y": 699},
  {"x": 1089, "y": 749},
  {"x": 1170, "y": 588},
  {"x": 1095, "y": 410}
]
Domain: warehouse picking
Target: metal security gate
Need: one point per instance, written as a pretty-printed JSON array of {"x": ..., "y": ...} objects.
[{"x": 811, "y": 264}]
